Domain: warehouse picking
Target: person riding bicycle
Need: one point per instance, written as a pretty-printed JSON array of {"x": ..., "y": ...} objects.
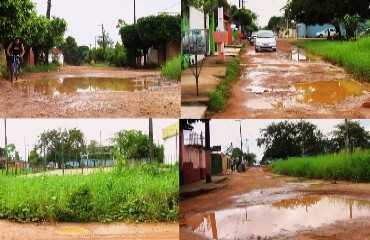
[{"x": 15, "y": 48}]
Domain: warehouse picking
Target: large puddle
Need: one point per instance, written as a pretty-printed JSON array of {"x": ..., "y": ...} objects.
[
  {"x": 71, "y": 85},
  {"x": 278, "y": 218},
  {"x": 322, "y": 92}
]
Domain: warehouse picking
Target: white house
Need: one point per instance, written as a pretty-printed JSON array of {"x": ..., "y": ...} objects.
[{"x": 170, "y": 136}]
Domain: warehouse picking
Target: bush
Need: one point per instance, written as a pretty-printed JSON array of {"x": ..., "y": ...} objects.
[
  {"x": 117, "y": 56},
  {"x": 172, "y": 69}
]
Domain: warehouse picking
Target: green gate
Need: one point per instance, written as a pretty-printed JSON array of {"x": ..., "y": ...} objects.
[{"x": 216, "y": 164}]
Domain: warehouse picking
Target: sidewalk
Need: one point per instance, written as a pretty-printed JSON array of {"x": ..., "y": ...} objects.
[{"x": 201, "y": 187}]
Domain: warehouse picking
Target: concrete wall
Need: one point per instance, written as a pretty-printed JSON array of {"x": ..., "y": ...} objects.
[
  {"x": 171, "y": 150},
  {"x": 193, "y": 164},
  {"x": 311, "y": 30}
]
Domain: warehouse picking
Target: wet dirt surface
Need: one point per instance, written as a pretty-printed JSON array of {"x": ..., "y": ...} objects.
[
  {"x": 260, "y": 205},
  {"x": 96, "y": 231},
  {"x": 46, "y": 95},
  {"x": 291, "y": 83}
]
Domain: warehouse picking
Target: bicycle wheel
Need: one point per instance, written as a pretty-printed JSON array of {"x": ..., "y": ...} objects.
[{"x": 15, "y": 70}]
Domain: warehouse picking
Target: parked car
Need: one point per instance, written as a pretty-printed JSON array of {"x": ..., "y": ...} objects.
[
  {"x": 365, "y": 33},
  {"x": 265, "y": 40},
  {"x": 253, "y": 37},
  {"x": 325, "y": 32}
]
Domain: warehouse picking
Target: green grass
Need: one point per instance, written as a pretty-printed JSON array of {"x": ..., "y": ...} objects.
[
  {"x": 352, "y": 55},
  {"x": 41, "y": 68},
  {"x": 219, "y": 97},
  {"x": 350, "y": 167},
  {"x": 172, "y": 69},
  {"x": 141, "y": 193}
]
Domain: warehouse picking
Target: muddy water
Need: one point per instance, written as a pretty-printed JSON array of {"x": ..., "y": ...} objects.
[
  {"x": 72, "y": 85},
  {"x": 280, "y": 217}
]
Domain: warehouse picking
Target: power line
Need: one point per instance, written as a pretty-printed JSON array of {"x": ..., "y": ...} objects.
[{"x": 171, "y": 6}]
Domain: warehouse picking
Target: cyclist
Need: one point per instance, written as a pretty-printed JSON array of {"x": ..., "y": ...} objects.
[{"x": 15, "y": 48}]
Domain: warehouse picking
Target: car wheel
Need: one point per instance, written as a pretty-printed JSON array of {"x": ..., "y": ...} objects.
[
  {"x": 321, "y": 35},
  {"x": 256, "y": 50},
  {"x": 274, "y": 50}
]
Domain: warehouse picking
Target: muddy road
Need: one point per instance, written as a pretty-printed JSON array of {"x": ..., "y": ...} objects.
[
  {"x": 94, "y": 231},
  {"x": 260, "y": 205},
  {"x": 90, "y": 92},
  {"x": 291, "y": 83}
]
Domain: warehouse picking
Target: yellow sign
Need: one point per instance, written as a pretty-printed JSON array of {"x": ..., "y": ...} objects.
[{"x": 170, "y": 131}]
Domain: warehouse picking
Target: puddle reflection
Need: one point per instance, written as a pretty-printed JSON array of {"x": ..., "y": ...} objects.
[
  {"x": 283, "y": 216},
  {"x": 71, "y": 85}
]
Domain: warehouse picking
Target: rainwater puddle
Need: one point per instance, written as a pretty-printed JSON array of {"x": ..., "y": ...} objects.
[
  {"x": 328, "y": 91},
  {"x": 280, "y": 217},
  {"x": 71, "y": 230},
  {"x": 72, "y": 85}
]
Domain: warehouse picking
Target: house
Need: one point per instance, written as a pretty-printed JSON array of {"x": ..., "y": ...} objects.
[{"x": 170, "y": 136}]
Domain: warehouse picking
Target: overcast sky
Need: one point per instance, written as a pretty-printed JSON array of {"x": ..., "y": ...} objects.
[
  {"x": 84, "y": 16},
  {"x": 265, "y": 9},
  {"x": 224, "y": 132},
  {"x": 25, "y": 132}
]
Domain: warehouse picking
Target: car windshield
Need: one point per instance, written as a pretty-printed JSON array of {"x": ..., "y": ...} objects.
[{"x": 265, "y": 34}]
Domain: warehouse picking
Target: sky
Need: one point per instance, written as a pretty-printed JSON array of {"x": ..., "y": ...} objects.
[
  {"x": 224, "y": 132},
  {"x": 24, "y": 133},
  {"x": 265, "y": 9},
  {"x": 85, "y": 16}
]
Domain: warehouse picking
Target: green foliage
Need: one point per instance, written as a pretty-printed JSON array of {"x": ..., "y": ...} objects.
[
  {"x": 172, "y": 69},
  {"x": 142, "y": 193},
  {"x": 324, "y": 11},
  {"x": 351, "y": 167},
  {"x": 117, "y": 56},
  {"x": 247, "y": 18},
  {"x": 72, "y": 53},
  {"x": 275, "y": 23},
  {"x": 34, "y": 157},
  {"x": 132, "y": 42},
  {"x": 218, "y": 98},
  {"x": 353, "y": 56},
  {"x": 41, "y": 68},
  {"x": 351, "y": 24}
]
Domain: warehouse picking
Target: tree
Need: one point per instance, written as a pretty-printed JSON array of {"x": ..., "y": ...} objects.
[
  {"x": 132, "y": 42},
  {"x": 70, "y": 51},
  {"x": 11, "y": 151},
  {"x": 236, "y": 153},
  {"x": 108, "y": 41},
  {"x": 287, "y": 139},
  {"x": 357, "y": 135},
  {"x": 323, "y": 11},
  {"x": 275, "y": 23},
  {"x": 247, "y": 18},
  {"x": 351, "y": 23},
  {"x": 34, "y": 157},
  {"x": 13, "y": 18},
  {"x": 250, "y": 158}
]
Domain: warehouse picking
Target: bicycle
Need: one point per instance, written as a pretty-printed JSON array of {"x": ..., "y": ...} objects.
[{"x": 14, "y": 72}]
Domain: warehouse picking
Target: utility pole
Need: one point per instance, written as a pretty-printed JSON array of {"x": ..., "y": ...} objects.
[
  {"x": 240, "y": 25},
  {"x": 151, "y": 147},
  {"x": 241, "y": 139},
  {"x": 346, "y": 139},
  {"x": 48, "y": 9},
  {"x": 103, "y": 35},
  {"x": 134, "y": 11},
  {"x": 6, "y": 149}
]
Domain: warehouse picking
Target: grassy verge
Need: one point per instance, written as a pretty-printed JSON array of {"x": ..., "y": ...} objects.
[
  {"x": 218, "y": 98},
  {"x": 351, "y": 167},
  {"x": 41, "y": 68},
  {"x": 141, "y": 193},
  {"x": 353, "y": 55},
  {"x": 172, "y": 69}
]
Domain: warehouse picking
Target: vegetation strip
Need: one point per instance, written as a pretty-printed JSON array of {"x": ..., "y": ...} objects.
[
  {"x": 353, "y": 55},
  {"x": 218, "y": 98},
  {"x": 350, "y": 167},
  {"x": 142, "y": 193}
]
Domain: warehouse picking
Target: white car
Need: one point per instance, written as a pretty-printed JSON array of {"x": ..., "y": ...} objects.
[
  {"x": 325, "y": 32},
  {"x": 265, "y": 40}
]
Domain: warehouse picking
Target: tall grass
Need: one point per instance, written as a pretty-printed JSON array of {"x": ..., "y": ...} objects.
[
  {"x": 141, "y": 193},
  {"x": 353, "y": 55},
  {"x": 351, "y": 167},
  {"x": 172, "y": 69},
  {"x": 219, "y": 97}
]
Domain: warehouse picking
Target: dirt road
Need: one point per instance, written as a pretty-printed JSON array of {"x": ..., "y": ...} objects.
[
  {"x": 26, "y": 99},
  {"x": 265, "y": 194},
  {"x": 93, "y": 231},
  {"x": 291, "y": 83}
]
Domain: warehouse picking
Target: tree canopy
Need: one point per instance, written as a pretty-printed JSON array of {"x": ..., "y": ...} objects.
[{"x": 324, "y": 11}]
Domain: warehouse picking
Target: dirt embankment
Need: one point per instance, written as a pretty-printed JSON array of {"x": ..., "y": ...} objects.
[
  {"x": 162, "y": 101},
  {"x": 270, "y": 188}
]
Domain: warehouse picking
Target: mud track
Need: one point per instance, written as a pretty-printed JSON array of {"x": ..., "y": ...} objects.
[
  {"x": 279, "y": 85},
  {"x": 161, "y": 101},
  {"x": 259, "y": 186}
]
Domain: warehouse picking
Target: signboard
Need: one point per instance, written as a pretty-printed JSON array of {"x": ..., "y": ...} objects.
[
  {"x": 216, "y": 149},
  {"x": 195, "y": 41}
]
